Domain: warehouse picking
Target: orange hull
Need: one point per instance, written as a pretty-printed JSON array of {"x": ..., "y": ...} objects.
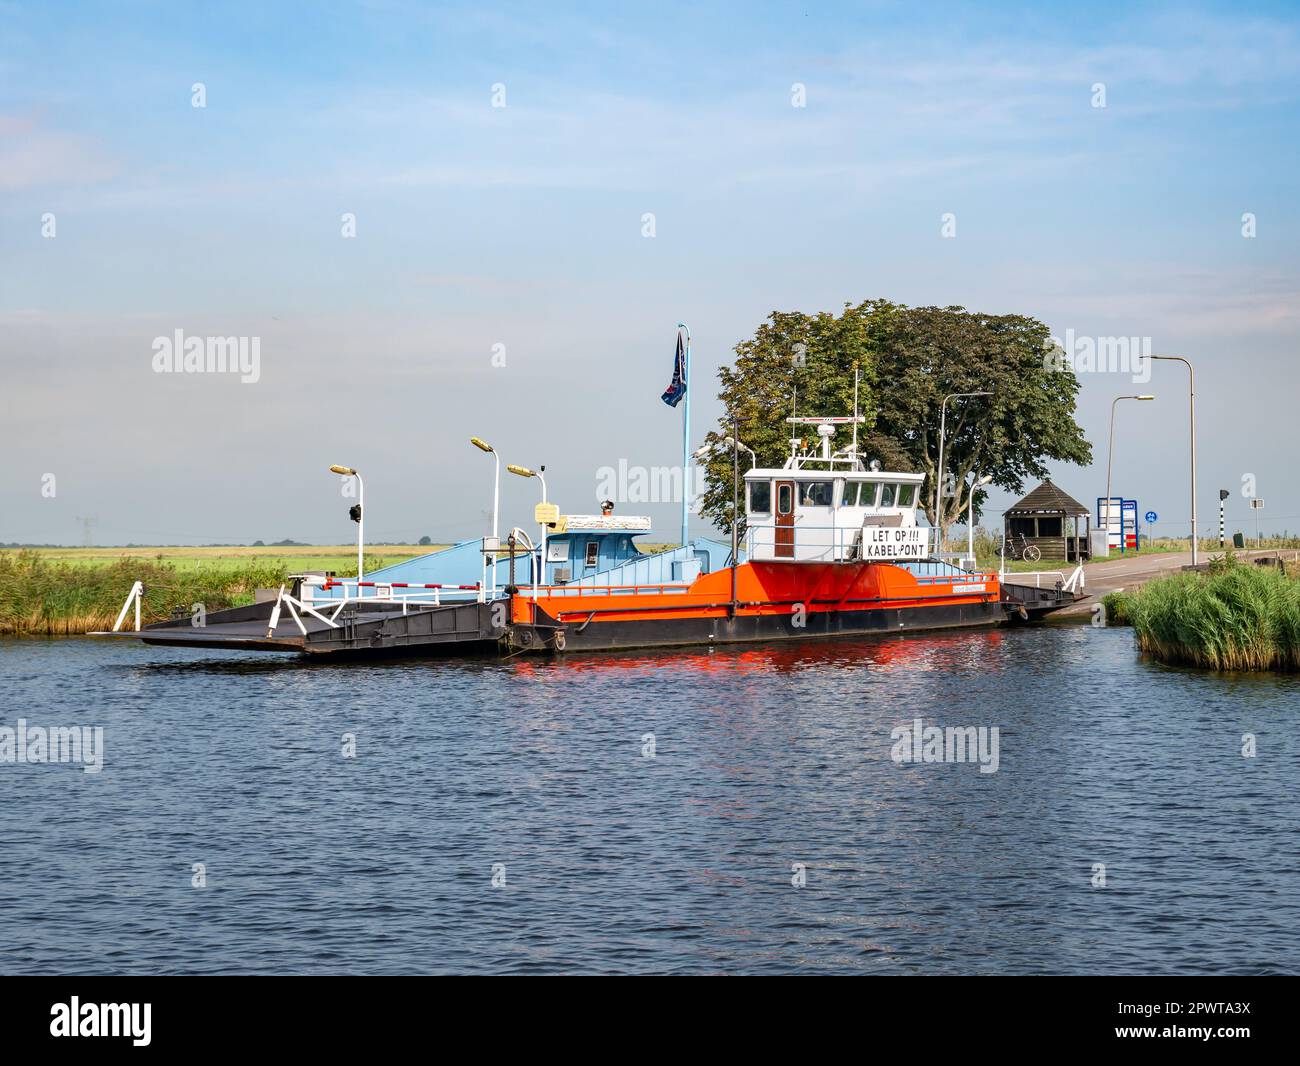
[{"x": 762, "y": 589}]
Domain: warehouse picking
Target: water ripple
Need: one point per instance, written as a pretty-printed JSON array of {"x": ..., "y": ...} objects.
[{"x": 533, "y": 772}]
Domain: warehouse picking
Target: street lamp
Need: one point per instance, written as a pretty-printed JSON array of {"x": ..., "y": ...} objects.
[
  {"x": 484, "y": 446},
  {"x": 1191, "y": 396},
  {"x": 523, "y": 471},
  {"x": 728, "y": 442},
  {"x": 1110, "y": 453},
  {"x": 938, "y": 475},
  {"x": 736, "y": 445},
  {"x": 970, "y": 518},
  {"x": 359, "y": 515}
]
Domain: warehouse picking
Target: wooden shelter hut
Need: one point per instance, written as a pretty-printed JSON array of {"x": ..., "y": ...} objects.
[{"x": 1052, "y": 521}]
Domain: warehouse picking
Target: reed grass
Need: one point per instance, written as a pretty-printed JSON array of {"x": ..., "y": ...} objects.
[
  {"x": 1237, "y": 617},
  {"x": 40, "y": 596}
]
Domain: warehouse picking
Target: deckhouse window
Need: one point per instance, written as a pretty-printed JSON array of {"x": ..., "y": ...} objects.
[
  {"x": 816, "y": 493},
  {"x": 593, "y": 552},
  {"x": 906, "y": 495},
  {"x": 784, "y": 498},
  {"x": 887, "y": 491},
  {"x": 760, "y": 497},
  {"x": 867, "y": 494}
]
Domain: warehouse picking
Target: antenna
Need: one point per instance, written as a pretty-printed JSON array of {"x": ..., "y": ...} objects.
[
  {"x": 855, "y": 409},
  {"x": 794, "y": 413}
]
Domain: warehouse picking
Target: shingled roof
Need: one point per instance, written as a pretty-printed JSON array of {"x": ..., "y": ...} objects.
[{"x": 1047, "y": 497}]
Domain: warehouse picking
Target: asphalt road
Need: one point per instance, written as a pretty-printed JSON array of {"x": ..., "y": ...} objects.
[{"x": 1121, "y": 572}]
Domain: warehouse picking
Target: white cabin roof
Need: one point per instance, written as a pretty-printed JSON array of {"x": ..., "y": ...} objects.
[
  {"x": 806, "y": 474},
  {"x": 631, "y": 523}
]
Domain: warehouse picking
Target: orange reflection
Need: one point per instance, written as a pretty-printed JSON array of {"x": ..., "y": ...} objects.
[{"x": 982, "y": 649}]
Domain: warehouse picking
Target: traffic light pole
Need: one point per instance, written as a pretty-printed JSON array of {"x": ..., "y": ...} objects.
[{"x": 361, "y": 531}]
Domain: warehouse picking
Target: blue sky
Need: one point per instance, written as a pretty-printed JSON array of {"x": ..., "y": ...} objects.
[{"x": 521, "y": 226}]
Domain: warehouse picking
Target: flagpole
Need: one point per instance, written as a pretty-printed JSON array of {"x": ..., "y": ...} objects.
[{"x": 686, "y": 431}]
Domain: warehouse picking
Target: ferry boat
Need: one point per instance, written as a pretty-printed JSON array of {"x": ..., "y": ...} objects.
[{"x": 832, "y": 546}]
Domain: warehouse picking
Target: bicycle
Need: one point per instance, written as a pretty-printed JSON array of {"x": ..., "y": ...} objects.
[{"x": 1030, "y": 553}]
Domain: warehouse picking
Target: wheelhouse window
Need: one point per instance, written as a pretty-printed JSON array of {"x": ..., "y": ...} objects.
[
  {"x": 887, "y": 491},
  {"x": 760, "y": 497},
  {"x": 785, "y": 498},
  {"x": 816, "y": 493},
  {"x": 906, "y": 495},
  {"x": 867, "y": 493},
  {"x": 593, "y": 552}
]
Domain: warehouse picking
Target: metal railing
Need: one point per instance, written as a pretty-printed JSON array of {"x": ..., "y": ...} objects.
[
  {"x": 136, "y": 594},
  {"x": 606, "y": 590},
  {"x": 384, "y": 589},
  {"x": 383, "y": 596},
  {"x": 430, "y": 593},
  {"x": 1076, "y": 582}
]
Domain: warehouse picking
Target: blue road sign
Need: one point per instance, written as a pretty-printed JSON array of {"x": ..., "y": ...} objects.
[{"x": 1151, "y": 516}]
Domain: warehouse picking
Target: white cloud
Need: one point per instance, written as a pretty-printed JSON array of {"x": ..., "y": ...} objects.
[{"x": 35, "y": 158}]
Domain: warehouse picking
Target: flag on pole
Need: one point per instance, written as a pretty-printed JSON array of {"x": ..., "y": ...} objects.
[{"x": 677, "y": 389}]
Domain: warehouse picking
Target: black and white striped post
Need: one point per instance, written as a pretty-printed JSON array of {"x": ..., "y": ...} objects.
[{"x": 1223, "y": 495}]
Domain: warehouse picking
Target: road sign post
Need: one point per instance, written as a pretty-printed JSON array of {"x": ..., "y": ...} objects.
[
  {"x": 1129, "y": 534},
  {"x": 1257, "y": 505}
]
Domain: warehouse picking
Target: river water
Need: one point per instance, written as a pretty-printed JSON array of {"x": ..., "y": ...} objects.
[{"x": 735, "y": 810}]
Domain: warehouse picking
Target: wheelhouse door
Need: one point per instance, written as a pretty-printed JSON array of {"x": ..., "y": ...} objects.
[{"x": 784, "y": 520}]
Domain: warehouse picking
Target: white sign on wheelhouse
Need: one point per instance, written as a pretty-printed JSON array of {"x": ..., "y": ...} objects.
[{"x": 897, "y": 542}]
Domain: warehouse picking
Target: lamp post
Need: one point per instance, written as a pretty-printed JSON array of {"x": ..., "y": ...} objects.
[
  {"x": 686, "y": 431},
  {"x": 736, "y": 445},
  {"x": 1191, "y": 399},
  {"x": 970, "y": 518},
  {"x": 1110, "y": 454},
  {"x": 938, "y": 473},
  {"x": 524, "y": 471},
  {"x": 729, "y": 442},
  {"x": 348, "y": 471},
  {"x": 484, "y": 446}
]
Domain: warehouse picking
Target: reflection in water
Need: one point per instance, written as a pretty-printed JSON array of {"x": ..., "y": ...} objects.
[
  {"x": 914, "y": 651},
  {"x": 767, "y": 760}
]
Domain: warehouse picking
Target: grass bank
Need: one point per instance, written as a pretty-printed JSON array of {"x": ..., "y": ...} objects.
[
  {"x": 44, "y": 594},
  {"x": 1236, "y": 617},
  {"x": 298, "y": 557}
]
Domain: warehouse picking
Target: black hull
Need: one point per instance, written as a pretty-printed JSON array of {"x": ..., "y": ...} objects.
[
  {"x": 471, "y": 629},
  {"x": 678, "y": 632}
]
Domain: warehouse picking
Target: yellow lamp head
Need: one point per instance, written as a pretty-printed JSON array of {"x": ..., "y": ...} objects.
[
  {"x": 522, "y": 471},
  {"x": 342, "y": 470},
  {"x": 480, "y": 444}
]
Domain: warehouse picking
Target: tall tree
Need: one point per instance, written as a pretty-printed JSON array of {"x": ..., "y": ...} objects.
[
  {"x": 909, "y": 359},
  {"x": 933, "y": 352},
  {"x": 794, "y": 364}
]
